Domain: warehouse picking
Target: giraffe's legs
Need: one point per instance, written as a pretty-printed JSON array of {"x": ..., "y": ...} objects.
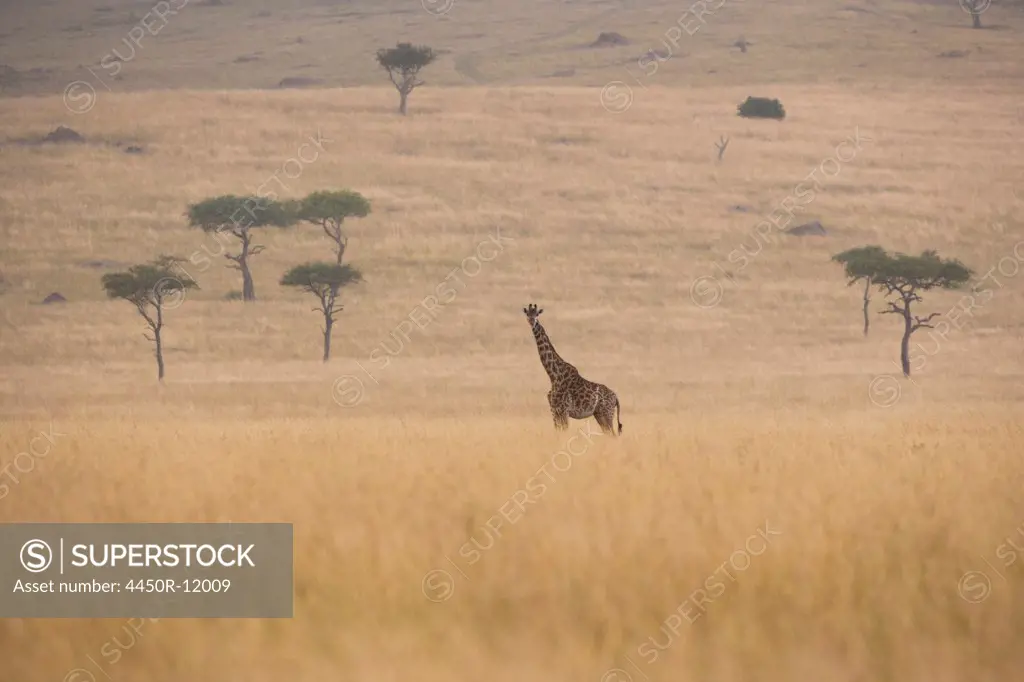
[
  {"x": 604, "y": 418},
  {"x": 558, "y": 414},
  {"x": 560, "y": 419}
]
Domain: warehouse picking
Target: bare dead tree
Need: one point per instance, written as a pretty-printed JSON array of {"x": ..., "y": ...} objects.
[{"x": 721, "y": 145}]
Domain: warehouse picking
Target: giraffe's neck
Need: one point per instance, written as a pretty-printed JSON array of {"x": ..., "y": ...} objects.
[{"x": 553, "y": 363}]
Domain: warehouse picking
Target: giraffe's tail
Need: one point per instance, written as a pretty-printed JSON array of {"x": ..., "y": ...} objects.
[{"x": 618, "y": 414}]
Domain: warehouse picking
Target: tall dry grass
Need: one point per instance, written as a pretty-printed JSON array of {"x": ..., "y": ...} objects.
[{"x": 825, "y": 545}]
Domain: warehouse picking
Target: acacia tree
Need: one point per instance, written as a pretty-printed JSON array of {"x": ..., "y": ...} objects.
[
  {"x": 861, "y": 264},
  {"x": 329, "y": 210},
  {"x": 975, "y": 8},
  {"x": 239, "y": 216},
  {"x": 151, "y": 287},
  {"x": 323, "y": 280},
  {"x": 403, "y": 63},
  {"x": 905, "y": 276}
]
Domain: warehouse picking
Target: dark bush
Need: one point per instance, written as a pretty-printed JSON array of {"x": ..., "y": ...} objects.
[{"x": 761, "y": 107}]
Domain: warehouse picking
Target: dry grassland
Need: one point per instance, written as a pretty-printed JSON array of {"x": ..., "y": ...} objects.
[
  {"x": 257, "y": 43},
  {"x": 754, "y": 411},
  {"x": 762, "y": 432}
]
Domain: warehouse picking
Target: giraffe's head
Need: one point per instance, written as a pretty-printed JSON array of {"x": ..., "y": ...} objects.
[{"x": 532, "y": 313}]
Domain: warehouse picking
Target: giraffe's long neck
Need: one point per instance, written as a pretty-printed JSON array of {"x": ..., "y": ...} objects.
[{"x": 552, "y": 361}]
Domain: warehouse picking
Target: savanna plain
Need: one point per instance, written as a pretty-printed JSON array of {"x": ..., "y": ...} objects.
[{"x": 782, "y": 504}]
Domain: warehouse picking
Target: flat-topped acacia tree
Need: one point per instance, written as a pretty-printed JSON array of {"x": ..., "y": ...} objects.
[
  {"x": 328, "y": 209},
  {"x": 403, "y": 63},
  {"x": 323, "y": 280},
  {"x": 905, "y": 277},
  {"x": 151, "y": 287},
  {"x": 239, "y": 216},
  {"x": 860, "y": 264}
]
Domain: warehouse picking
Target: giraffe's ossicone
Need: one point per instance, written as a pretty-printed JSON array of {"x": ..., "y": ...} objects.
[{"x": 571, "y": 395}]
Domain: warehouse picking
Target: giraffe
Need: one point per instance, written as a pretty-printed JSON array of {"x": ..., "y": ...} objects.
[{"x": 571, "y": 395}]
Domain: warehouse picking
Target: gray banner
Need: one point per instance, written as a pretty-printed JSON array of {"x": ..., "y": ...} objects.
[{"x": 146, "y": 570}]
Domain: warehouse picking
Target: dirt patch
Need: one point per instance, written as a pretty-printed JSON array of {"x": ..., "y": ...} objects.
[
  {"x": 814, "y": 229},
  {"x": 610, "y": 39},
  {"x": 654, "y": 55},
  {"x": 12, "y": 78},
  {"x": 102, "y": 264},
  {"x": 9, "y": 75},
  {"x": 59, "y": 135},
  {"x": 298, "y": 82}
]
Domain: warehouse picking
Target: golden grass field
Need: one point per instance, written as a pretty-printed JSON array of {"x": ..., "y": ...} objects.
[{"x": 751, "y": 402}]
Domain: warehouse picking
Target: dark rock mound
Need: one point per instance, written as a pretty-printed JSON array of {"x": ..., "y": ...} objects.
[
  {"x": 298, "y": 82},
  {"x": 815, "y": 229},
  {"x": 610, "y": 39},
  {"x": 55, "y": 297},
  {"x": 63, "y": 134}
]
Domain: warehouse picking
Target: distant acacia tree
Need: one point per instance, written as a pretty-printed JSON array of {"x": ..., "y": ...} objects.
[
  {"x": 323, "y": 280},
  {"x": 329, "y": 210},
  {"x": 861, "y": 264},
  {"x": 239, "y": 216},
  {"x": 904, "y": 277},
  {"x": 403, "y": 63},
  {"x": 151, "y": 287},
  {"x": 975, "y": 8}
]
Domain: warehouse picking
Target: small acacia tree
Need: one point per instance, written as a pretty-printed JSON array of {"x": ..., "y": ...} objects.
[
  {"x": 975, "y": 8},
  {"x": 239, "y": 216},
  {"x": 151, "y": 287},
  {"x": 323, "y": 280},
  {"x": 329, "y": 210},
  {"x": 905, "y": 276},
  {"x": 403, "y": 63},
  {"x": 861, "y": 264}
]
